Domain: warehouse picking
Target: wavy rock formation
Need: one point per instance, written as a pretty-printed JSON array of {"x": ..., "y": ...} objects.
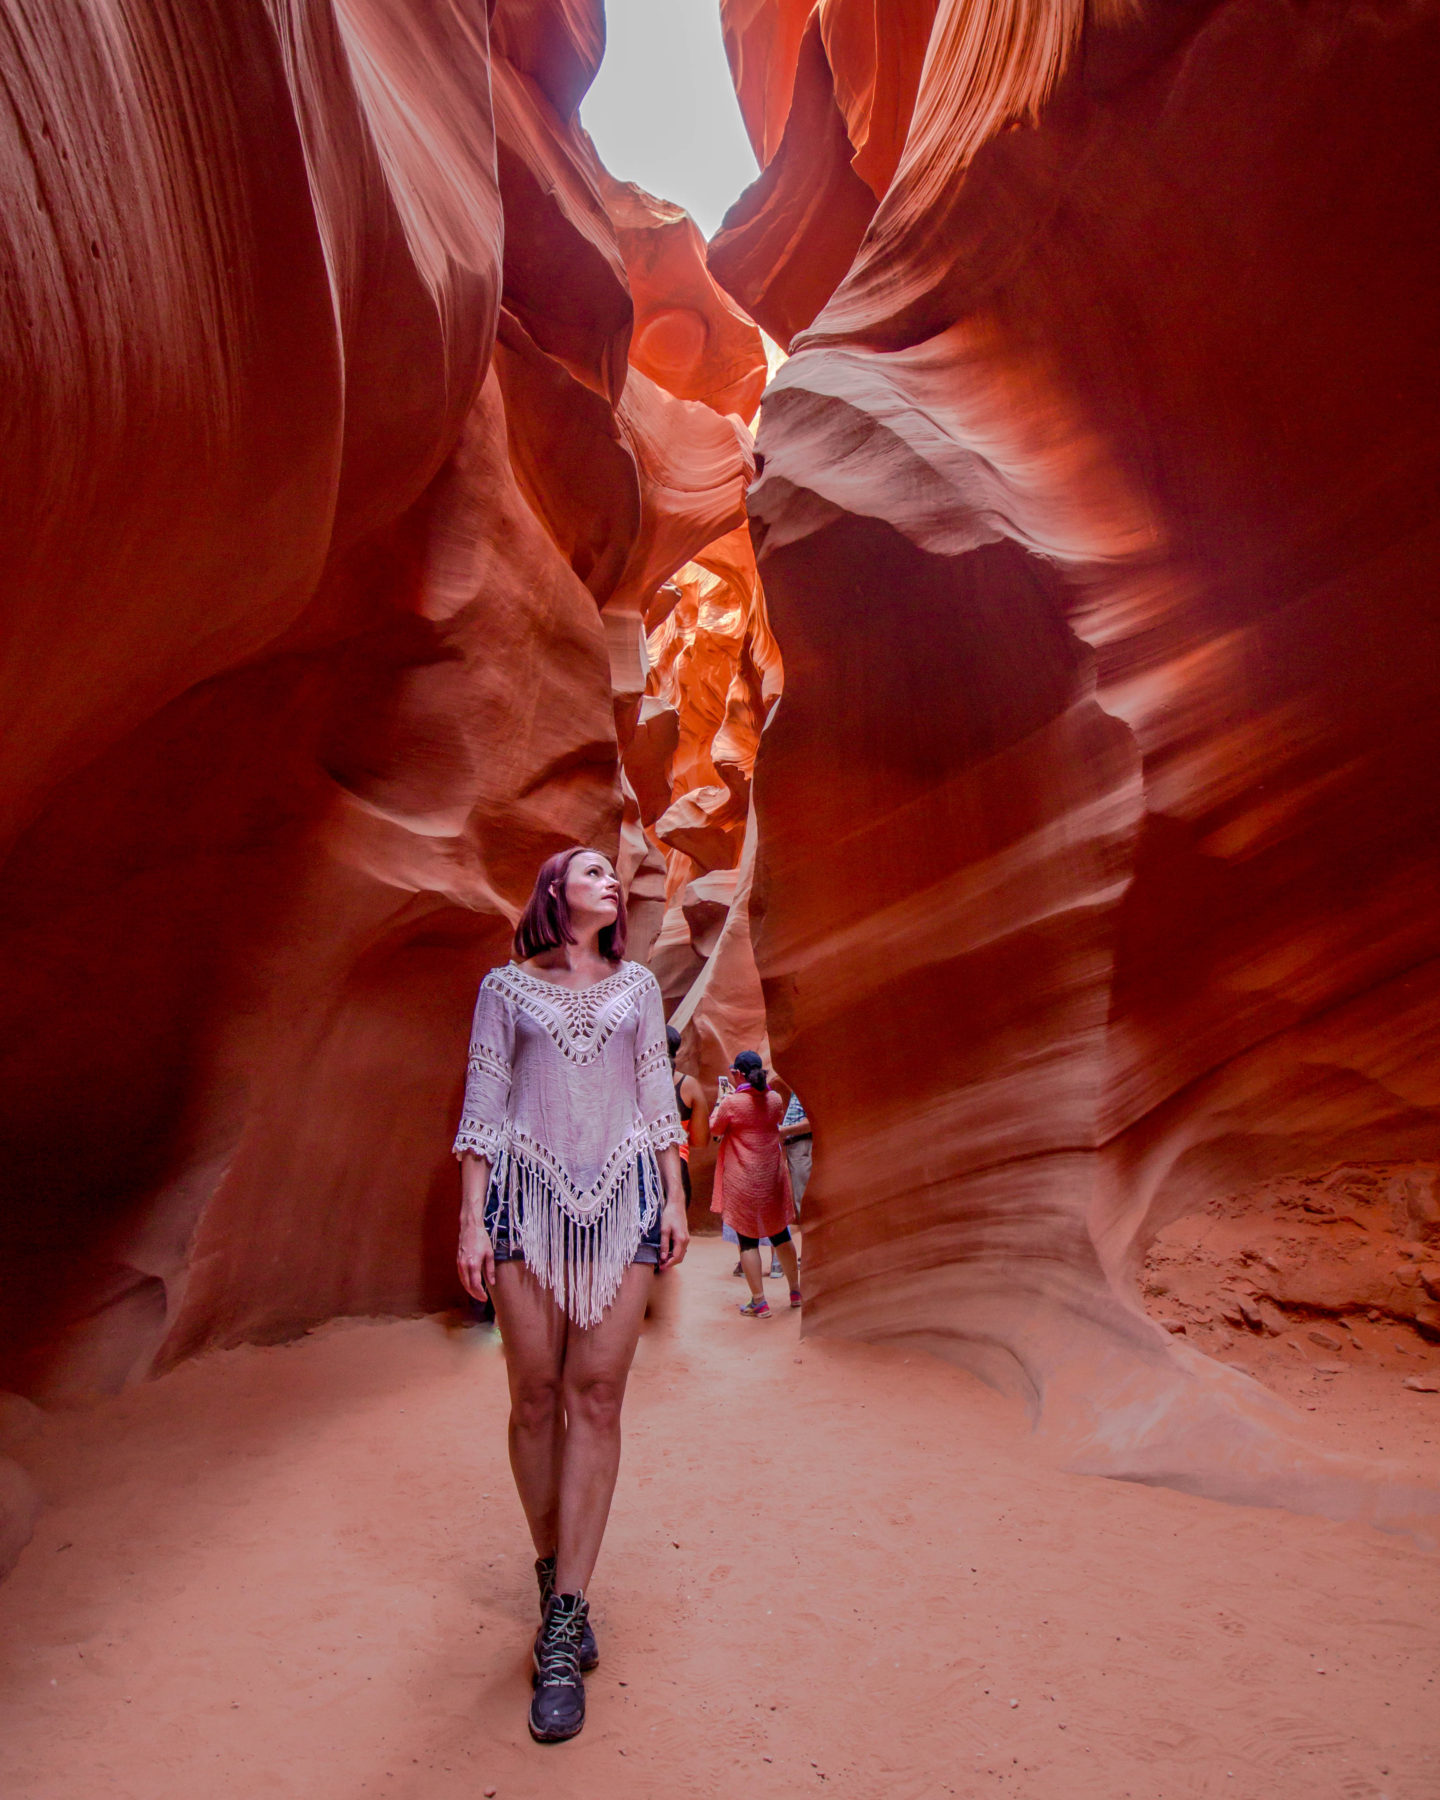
[
  {"x": 689, "y": 337},
  {"x": 1097, "y": 521},
  {"x": 338, "y": 507},
  {"x": 790, "y": 237},
  {"x": 717, "y": 669},
  {"x": 714, "y": 679},
  {"x": 716, "y": 676}
]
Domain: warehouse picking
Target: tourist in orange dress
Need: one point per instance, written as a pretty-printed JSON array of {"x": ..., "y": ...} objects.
[{"x": 752, "y": 1183}]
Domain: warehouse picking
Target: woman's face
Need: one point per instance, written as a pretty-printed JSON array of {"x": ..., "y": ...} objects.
[{"x": 592, "y": 889}]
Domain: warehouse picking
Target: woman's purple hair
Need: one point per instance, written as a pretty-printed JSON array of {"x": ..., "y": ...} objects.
[{"x": 545, "y": 922}]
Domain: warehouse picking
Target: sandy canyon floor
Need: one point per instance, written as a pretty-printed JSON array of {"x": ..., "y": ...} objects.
[{"x": 302, "y": 1572}]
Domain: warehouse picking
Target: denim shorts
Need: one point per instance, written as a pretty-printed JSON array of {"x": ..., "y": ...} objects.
[{"x": 499, "y": 1226}]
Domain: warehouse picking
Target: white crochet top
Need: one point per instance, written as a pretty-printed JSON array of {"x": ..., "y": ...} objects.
[{"x": 568, "y": 1093}]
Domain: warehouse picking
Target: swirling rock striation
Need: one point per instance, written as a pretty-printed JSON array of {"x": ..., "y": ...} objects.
[
  {"x": 715, "y": 678},
  {"x": 1097, "y": 521},
  {"x": 338, "y": 507}
]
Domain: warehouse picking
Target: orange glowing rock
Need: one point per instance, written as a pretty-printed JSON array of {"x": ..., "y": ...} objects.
[
  {"x": 717, "y": 668},
  {"x": 689, "y": 337},
  {"x": 876, "y": 71},
  {"x": 715, "y": 679},
  {"x": 694, "y": 466}
]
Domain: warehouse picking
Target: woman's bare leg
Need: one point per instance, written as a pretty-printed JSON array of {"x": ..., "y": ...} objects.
[
  {"x": 534, "y": 1329},
  {"x": 790, "y": 1263},
  {"x": 750, "y": 1264},
  {"x": 597, "y": 1363}
]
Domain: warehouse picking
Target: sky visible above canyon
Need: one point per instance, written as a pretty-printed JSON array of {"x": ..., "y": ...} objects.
[{"x": 662, "y": 111}]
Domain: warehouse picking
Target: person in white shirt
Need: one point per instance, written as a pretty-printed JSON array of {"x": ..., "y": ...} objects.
[{"x": 571, "y": 1203}]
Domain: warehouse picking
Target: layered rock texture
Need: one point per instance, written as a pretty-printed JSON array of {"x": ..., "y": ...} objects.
[
  {"x": 355, "y": 418},
  {"x": 374, "y": 527},
  {"x": 1097, "y": 522},
  {"x": 715, "y": 680}
]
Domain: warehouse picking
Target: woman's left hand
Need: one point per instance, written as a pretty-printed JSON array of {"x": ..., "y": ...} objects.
[{"x": 674, "y": 1232}]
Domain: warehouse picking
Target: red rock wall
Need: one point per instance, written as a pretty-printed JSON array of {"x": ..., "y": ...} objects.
[
  {"x": 337, "y": 505},
  {"x": 1097, "y": 826}
]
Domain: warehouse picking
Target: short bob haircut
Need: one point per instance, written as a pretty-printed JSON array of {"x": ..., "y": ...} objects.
[{"x": 545, "y": 923}]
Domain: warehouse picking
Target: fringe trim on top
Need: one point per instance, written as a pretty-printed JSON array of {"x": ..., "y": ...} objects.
[
  {"x": 583, "y": 1259},
  {"x": 482, "y": 1140}
]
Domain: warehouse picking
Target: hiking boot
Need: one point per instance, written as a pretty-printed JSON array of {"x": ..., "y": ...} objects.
[
  {"x": 589, "y": 1649},
  {"x": 557, "y": 1711}
]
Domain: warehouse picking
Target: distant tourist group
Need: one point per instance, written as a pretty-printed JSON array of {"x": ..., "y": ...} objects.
[{"x": 574, "y": 1143}]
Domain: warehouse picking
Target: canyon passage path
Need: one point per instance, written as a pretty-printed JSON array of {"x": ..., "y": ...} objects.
[{"x": 300, "y": 1571}]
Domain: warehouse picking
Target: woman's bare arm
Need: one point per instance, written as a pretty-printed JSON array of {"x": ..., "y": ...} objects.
[
  {"x": 674, "y": 1232},
  {"x": 475, "y": 1257},
  {"x": 693, "y": 1095}
]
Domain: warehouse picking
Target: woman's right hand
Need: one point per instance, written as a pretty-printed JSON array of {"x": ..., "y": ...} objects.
[{"x": 476, "y": 1260}]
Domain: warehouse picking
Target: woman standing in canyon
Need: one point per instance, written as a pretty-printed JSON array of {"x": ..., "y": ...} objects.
[{"x": 568, "y": 1134}]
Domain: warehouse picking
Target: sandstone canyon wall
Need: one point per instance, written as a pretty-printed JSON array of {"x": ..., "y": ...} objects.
[
  {"x": 377, "y": 470},
  {"x": 356, "y": 417},
  {"x": 715, "y": 681},
  {"x": 1097, "y": 828}
]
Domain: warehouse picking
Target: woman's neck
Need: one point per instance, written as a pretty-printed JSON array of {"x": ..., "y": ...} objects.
[
  {"x": 587, "y": 939},
  {"x": 577, "y": 957}
]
